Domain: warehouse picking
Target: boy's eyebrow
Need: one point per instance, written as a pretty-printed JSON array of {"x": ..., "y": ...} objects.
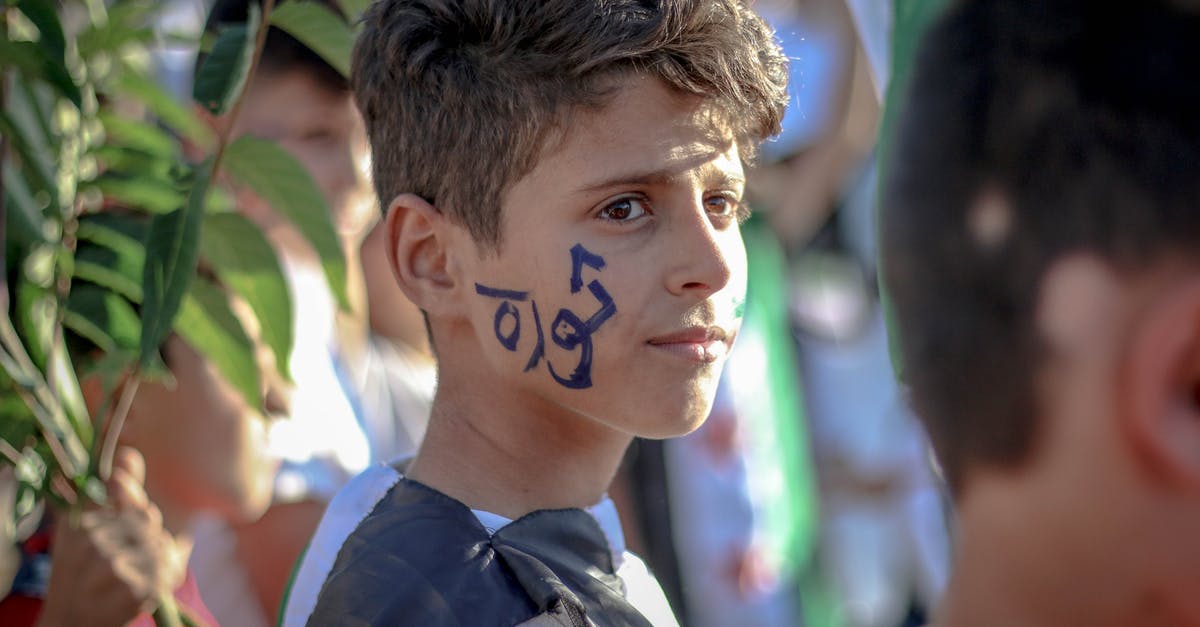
[{"x": 664, "y": 176}]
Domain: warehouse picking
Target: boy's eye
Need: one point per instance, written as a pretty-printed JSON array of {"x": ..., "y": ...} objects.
[
  {"x": 624, "y": 210},
  {"x": 725, "y": 205},
  {"x": 319, "y": 135}
]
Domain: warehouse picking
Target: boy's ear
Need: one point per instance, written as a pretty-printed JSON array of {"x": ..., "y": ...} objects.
[
  {"x": 1161, "y": 384},
  {"x": 420, "y": 251}
]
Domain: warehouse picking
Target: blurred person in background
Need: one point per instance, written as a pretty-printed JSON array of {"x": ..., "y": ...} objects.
[
  {"x": 883, "y": 548},
  {"x": 348, "y": 411},
  {"x": 400, "y": 374},
  {"x": 1041, "y": 225},
  {"x": 191, "y": 448}
]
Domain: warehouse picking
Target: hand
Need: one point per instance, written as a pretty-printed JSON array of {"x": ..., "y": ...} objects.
[{"x": 118, "y": 561}]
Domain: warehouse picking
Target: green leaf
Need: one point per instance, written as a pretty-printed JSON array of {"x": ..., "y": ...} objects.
[
  {"x": 24, "y": 215},
  {"x": 128, "y": 22},
  {"x": 22, "y": 55},
  {"x": 123, "y": 234},
  {"x": 31, "y": 105},
  {"x": 207, "y": 323},
  {"x": 96, "y": 266},
  {"x": 35, "y": 156},
  {"x": 280, "y": 180},
  {"x": 246, "y": 263},
  {"x": 319, "y": 28},
  {"x": 70, "y": 396},
  {"x": 112, "y": 158},
  {"x": 166, "y": 107},
  {"x": 354, "y": 9},
  {"x": 17, "y": 424},
  {"x": 35, "y": 309},
  {"x": 103, "y": 317},
  {"x": 36, "y": 63},
  {"x": 110, "y": 254},
  {"x": 43, "y": 15},
  {"x": 223, "y": 74},
  {"x": 140, "y": 135},
  {"x": 148, "y": 193},
  {"x": 172, "y": 249}
]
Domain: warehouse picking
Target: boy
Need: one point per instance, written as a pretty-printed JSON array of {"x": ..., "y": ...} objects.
[
  {"x": 563, "y": 184},
  {"x": 1041, "y": 229}
]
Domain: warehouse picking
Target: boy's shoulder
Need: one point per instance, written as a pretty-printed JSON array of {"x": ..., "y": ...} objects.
[{"x": 393, "y": 551}]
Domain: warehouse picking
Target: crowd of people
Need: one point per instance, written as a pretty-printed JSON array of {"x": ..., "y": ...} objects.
[{"x": 534, "y": 410}]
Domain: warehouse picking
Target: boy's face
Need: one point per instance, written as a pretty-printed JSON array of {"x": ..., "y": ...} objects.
[
  {"x": 321, "y": 128},
  {"x": 621, "y": 277},
  {"x": 204, "y": 445}
]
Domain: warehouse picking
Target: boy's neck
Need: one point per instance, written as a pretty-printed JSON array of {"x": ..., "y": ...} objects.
[
  {"x": 1014, "y": 567},
  {"x": 510, "y": 456}
]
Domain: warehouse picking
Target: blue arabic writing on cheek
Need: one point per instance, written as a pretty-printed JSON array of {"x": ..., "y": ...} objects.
[
  {"x": 539, "y": 350},
  {"x": 569, "y": 331},
  {"x": 506, "y": 309}
]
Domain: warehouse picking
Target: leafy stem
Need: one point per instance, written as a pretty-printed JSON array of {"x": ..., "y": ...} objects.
[
  {"x": 260, "y": 39},
  {"x": 132, "y": 378},
  {"x": 116, "y": 422}
]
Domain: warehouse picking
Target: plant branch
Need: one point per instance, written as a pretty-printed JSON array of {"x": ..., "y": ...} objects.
[
  {"x": 59, "y": 484},
  {"x": 3, "y": 161},
  {"x": 168, "y": 612},
  {"x": 41, "y": 400},
  {"x": 132, "y": 378},
  {"x": 56, "y": 448},
  {"x": 112, "y": 433},
  {"x": 260, "y": 39},
  {"x": 62, "y": 285},
  {"x": 10, "y": 452}
]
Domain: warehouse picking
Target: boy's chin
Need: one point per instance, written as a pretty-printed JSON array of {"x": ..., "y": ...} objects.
[
  {"x": 672, "y": 422},
  {"x": 246, "y": 500},
  {"x": 247, "y": 509}
]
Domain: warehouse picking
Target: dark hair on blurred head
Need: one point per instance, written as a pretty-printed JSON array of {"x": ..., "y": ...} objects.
[
  {"x": 281, "y": 53},
  {"x": 1032, "y": 130},
  {"x": 460, "y": 96}
]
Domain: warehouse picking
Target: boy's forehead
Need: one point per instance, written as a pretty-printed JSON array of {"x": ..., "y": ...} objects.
[
  {"x": 645, "y": 126},
  {"x": 277, "y": 101}
]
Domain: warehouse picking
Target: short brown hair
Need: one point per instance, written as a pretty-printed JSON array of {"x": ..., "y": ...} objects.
[{"x": 459, "y": 95}]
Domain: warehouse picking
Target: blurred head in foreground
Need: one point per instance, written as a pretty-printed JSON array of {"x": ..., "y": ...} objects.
[{"x": 1040, "y": 230}]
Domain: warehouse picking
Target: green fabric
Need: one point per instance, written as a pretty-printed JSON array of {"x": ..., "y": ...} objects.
[
  {"x": 768, "y": 393},
  {"x": 773, "y": 405},
  {"x": 287, "y": 590},
  {"x": 911, "y": 17}
]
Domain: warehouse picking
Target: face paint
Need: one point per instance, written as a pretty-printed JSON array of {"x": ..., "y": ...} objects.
[{"x": 568, "y": 330}]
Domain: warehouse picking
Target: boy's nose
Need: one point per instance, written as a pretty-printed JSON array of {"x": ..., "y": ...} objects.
[
  {"x": 700, "y": 264},
  {"x": 341, "y": 175}
]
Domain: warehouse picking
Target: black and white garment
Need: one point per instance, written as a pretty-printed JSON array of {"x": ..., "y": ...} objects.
[{"x": 392, "y": 551}]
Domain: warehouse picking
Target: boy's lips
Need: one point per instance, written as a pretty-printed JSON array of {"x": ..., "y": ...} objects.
[{"x": 699, "y": 344}]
